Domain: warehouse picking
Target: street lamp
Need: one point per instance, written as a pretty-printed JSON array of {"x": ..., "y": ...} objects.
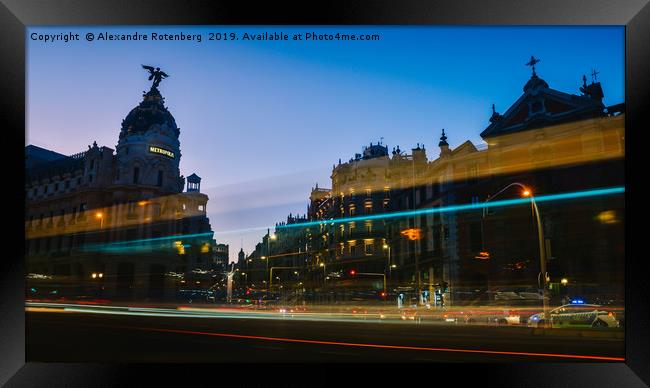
[
  {"x": 100, "y": 217},
  {"x": 390, "y": 266},
  {"x": 542, "y": 277}
]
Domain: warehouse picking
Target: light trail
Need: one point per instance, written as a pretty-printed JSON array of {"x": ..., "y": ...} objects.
[
  {"x": 468, "y": 206},
  {"x": 380, "y": 346},
  {"x": 130, "y": 245}
]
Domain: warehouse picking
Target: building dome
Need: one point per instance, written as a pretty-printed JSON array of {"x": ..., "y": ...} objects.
[
  {"x": 150, "y": 112},
  {"x": 535, "y": 83}
]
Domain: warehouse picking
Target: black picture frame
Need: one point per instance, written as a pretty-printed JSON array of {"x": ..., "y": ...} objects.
[{"x": 16, "y": 15}]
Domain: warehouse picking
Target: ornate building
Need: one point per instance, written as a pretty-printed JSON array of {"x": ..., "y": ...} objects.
[
  {"x": 549, "y": 142},
  {"x": 117, "y": 224}
]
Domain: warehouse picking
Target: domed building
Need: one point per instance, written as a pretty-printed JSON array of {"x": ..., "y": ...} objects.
[{"x": 118, "y": 224}]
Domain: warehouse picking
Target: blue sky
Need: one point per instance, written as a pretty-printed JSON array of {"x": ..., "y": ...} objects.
[{"x": 262, "y": 122}]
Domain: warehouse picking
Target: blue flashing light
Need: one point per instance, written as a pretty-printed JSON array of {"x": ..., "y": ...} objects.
[
  {"x": 577, "y": 301},
  {"x": 32, "y": 289}
]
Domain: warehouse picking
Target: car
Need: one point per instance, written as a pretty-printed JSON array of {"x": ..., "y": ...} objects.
[{"x": 576, "y": 314}]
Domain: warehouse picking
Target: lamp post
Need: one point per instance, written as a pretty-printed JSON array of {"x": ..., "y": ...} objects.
[
  {"x": 100, "y": 217},
  {"x": 389, "y": 265},
  {"x": 540, "y": 236}
]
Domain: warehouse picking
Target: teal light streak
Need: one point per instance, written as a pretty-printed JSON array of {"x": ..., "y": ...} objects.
[
  {"x": 142, "y": 245},
  {"x": 464, "y": 207}
]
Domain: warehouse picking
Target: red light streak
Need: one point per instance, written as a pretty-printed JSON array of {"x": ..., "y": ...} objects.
[{"x": 379, "y": 346}]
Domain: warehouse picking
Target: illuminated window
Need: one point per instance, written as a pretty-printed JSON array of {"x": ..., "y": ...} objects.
[
  {"x": 369, "y": 247},
  {"x": 368, "y": 226},
  {"x": 201, "y": 207},
  {"x": 368, "y": 206},
  {"x": 351, "y": 227},
  {"x": 351, "y": 247},
  {"x": 352, "y": 210},
  {"x": 368, "y": 192}
]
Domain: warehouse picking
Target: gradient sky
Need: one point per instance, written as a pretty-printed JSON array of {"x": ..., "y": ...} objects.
[{"x": 262, "y": 122}]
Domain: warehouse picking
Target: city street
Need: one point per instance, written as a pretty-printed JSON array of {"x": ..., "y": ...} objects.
[{"x": 92, "y": 335}]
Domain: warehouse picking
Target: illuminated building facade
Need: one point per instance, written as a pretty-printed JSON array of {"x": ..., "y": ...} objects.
[
  {"x": 550, "y": 142},
  {"x": 122, "y": 214}
]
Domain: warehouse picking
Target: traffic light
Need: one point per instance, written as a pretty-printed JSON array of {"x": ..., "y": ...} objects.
[
  {"x": 445, "y": 286},
  {"x": 353, "y": 272}
]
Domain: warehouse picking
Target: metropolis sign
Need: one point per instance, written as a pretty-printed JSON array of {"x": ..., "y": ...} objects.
[{"x": 161, "y": 151}]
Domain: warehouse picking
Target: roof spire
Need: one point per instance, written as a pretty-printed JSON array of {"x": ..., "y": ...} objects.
[
  {"x": 443, "y": 139},
  {"x": 532, "y": 63},
  {"x": 594, "y": 75}
]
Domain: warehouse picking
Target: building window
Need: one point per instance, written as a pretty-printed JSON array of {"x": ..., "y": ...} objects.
[
  {"x": 83, "y": 207},
  {"x": 351, "y": 246},
  {"x": 56, "y": 186},
  {"x": 67, "y": 184},
  {"x": 78, "y": 181},
  {"x": 90, "y": 179},
  {"x": 368, "y": 207},
  {"x": 92, "y": 164},
  {"x": 136, "y": 174},
  {"x": 160, "y": 178},
  {"x": 117, "y": 174},
  {"x": 201, "y": 207},
  {"x": 369, "y": 248}
]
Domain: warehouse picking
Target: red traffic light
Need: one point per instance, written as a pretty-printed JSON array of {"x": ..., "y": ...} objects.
[
  {"x": 353, "y": 272},
  {"x": 383, "y": 294}
]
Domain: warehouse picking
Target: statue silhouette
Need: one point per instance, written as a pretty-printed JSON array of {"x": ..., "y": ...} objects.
[{"x": 155, "y": 75}]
